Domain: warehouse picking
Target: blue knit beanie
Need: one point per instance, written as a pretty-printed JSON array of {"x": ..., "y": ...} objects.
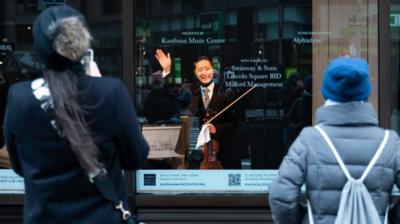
[{"x": 346, "y": 79}]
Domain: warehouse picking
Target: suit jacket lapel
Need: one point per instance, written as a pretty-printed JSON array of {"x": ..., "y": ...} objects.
[{"x": 197, "y": 102}]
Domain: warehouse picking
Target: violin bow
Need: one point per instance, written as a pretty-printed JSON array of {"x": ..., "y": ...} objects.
[{"x": 231, "y": 104}]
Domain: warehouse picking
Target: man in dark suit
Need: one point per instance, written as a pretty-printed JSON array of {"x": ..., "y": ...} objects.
[{"x": 208, "y": 99}]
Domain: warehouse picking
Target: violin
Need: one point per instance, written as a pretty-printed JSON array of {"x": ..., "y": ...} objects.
[
  {"x": 211, "y": 148},
  {"x": 210, "y": 152}
]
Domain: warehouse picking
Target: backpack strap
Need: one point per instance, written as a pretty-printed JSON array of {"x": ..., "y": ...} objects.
[
  {"x": 376, "y": 156},
  {"x": 334, "y": 151},
  {"x": 100, "y": 179},
  {"x": 310, "y": 213},
  {"x": 340, "y": 161}
]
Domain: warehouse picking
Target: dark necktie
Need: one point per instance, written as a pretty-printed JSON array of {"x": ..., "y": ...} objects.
[{"x": 206, "y": 97}]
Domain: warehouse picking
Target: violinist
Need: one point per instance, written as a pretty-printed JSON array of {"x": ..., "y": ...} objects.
[{"x": 208, "y": 99}]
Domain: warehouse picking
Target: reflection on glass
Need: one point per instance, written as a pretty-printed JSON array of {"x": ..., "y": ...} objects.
[
  {"x": 268, "y": 45},
  {"x": 394, "y": 63}
]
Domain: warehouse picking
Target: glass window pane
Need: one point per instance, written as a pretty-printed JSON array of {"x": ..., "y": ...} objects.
[
  {"x": 248, "y": 43},
  {"x": 394, "y": 62},
  {"x": 280, "y": 46}
]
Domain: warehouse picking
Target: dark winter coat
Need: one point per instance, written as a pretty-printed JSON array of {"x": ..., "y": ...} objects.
[{"x": 57, "y": 190}]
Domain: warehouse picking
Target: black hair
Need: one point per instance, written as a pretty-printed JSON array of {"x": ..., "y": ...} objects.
[
  {"x": 70, "y": 40},
  {"x": 202, "y": 58},
  {"x": 69, "y": 114}
]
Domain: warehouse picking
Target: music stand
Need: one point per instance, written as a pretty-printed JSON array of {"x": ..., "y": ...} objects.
[{"x": 163, "y": 141}]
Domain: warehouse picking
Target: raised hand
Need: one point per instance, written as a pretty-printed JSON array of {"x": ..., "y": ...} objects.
[{"x": 164, "y": 61}]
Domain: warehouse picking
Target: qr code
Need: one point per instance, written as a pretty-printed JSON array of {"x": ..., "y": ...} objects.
[{"x": 234, "y": 179}]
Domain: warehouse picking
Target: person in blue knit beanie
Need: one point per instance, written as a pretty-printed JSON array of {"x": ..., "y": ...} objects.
[
  {"x": 349, "y": 120},
  {"x": 346, "y": 79}
]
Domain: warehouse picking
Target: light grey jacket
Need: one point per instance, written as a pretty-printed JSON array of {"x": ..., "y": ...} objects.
[{"x": 353, "y": 129}]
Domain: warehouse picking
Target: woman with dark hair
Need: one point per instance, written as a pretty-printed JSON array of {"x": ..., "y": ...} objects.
[{"x": 67, "y": 130}]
